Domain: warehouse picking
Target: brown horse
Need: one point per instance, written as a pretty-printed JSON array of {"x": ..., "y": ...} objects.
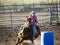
[{"x": 26, "y": 34}]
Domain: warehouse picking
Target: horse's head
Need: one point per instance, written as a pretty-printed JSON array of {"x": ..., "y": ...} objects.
[{"x": 29, "y": 20}]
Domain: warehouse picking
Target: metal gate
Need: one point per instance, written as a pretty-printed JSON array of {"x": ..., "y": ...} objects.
[{"x": 14, "y": 15}]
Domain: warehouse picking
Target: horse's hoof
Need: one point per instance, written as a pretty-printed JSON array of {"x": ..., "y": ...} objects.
[
  {"x": 16, "y": 44},
  {"x": 32, "y": 42}
]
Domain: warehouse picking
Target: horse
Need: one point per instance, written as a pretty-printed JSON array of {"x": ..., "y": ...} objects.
[{"x": 26, "y": 34}]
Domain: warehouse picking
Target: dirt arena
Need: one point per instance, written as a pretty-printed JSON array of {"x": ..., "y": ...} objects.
[{"x": 8, "y": 35}]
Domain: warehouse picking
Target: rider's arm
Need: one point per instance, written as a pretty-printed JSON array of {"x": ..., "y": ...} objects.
[{"x": 36, "y": 21}]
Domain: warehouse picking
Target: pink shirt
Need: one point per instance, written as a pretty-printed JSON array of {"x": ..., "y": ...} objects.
[{"x": 34, "y": 19}]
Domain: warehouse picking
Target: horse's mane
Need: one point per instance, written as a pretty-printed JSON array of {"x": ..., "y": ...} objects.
[{"x": 29, "y": 19}]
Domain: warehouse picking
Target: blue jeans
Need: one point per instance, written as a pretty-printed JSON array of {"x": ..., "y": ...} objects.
[{"x": 34, "y": 30}]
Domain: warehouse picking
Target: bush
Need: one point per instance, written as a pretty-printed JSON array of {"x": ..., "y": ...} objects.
[{"x": 58, "y": 22}]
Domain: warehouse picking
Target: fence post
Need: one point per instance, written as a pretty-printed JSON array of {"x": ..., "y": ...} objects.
[
  {"x": 47, "y": 38},
  {"x": 51, "y": 15},
  {"x": 11, "y": 17}
]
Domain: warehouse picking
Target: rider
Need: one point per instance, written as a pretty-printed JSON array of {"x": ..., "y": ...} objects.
[
  {"x": 35, "y": 22},
  {"x": 33, "y": 17}
]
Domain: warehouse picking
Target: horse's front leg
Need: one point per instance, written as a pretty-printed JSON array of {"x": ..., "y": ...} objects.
[
  {"x": 19, "y": 40},
  {"x": 32, "y": 39}
]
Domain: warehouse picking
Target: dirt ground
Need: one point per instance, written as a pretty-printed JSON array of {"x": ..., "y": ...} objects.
[{"x": 8, "y": 35}]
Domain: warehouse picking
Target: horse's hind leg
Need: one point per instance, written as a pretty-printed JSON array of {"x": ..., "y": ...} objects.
[
  {"x": 39, "y": 32},
  {"x": 38, "y": 29}
]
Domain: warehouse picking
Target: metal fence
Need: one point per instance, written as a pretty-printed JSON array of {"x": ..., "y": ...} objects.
[{"x": 14, "y": 15}]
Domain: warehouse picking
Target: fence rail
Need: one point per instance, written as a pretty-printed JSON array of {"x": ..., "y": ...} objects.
[{"x": 15, "y": 14}]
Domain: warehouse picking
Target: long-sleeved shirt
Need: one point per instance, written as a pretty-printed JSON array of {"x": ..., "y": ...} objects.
[{"x": 34, "y": 19}]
